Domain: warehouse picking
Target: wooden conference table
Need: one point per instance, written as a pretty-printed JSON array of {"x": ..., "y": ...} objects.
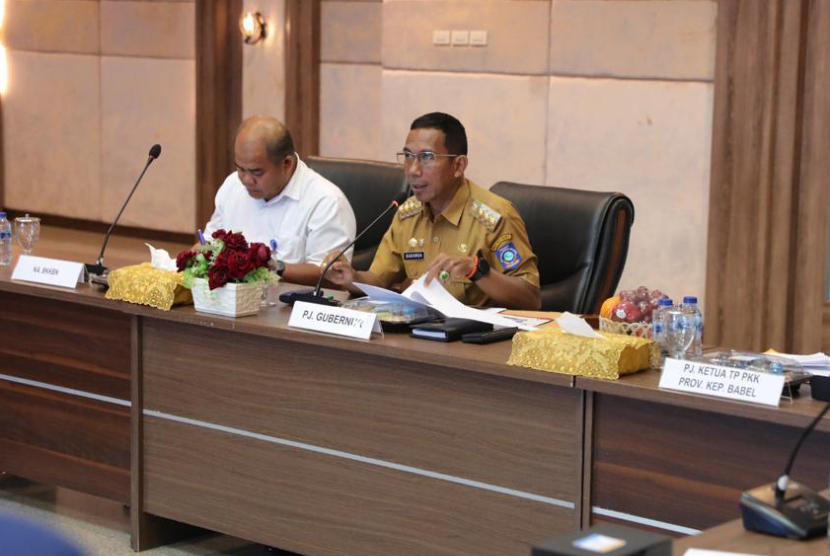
[
  {"x": 329, "y": 446},
  {"x": 732, "y": 537}
]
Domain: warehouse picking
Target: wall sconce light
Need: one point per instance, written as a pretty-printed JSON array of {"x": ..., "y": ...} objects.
[{"x": 253, "y": 27}]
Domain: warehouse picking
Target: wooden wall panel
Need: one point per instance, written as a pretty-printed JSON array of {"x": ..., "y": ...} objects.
[
  {"x": 689, "y": 467},
  {"x": 65, "y": 440},
  {"x": 2, "y": 162},
  {"x": 218, "y": 97},
  {"x": 302, "y": 79},
  {"x": 503, "y": 431},
  {"x": 323, "y": 506},
  {"x": 60, "y": 343},
  {"x": 61, "y": 438},
  {"x": 813, "y": 232},
  {"x": 768, "y": 214}
]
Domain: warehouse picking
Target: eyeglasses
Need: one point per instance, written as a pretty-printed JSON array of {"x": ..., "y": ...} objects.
[{"x": 425, "y": 158}]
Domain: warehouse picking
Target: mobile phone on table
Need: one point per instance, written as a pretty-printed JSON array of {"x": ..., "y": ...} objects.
[{"x": 489, "y": 336}]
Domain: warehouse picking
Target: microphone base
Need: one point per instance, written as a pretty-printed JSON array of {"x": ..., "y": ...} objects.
[
  {"x": 96, "y": 273},
  {"x": 307, "y": 296},
  {"x": 800, "y": 514}
]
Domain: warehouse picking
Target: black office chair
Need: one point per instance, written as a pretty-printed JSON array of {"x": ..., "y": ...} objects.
[
  {"x": 580, "y": 239},
  {"x": 370, "y": 187}
]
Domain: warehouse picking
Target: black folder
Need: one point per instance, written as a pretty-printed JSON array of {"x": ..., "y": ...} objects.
[{"x": 449, "y": 330}]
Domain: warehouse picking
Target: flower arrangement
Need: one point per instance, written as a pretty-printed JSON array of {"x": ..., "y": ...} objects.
[{"x": 228, "y": 258}]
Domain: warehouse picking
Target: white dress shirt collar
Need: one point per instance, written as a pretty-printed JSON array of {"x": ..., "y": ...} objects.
[{"x": 292, "y": 189}]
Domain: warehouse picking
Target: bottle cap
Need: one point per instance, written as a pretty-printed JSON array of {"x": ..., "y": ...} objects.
[
  {"x": 2, "y": 214},
  {"x": 665, "y": 302},
  {"x": 690, "y": 299}
]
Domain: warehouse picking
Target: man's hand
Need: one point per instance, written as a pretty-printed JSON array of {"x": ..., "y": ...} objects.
[
  {"x": 455, "y": 267},
  {"x": 341, "y": 271}
]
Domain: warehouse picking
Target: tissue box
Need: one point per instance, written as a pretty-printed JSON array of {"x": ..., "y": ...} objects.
[
  {"x": 551, "y": 349},
  {"x": 146, "y": 285}
]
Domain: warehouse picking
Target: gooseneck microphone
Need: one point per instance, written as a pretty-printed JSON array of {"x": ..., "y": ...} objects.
[
  {"x": 98, "y": 269},
  {"x": 316, "y": 295},
  {"x": 787, "y": 508},
  {"x": 781, "y": 483}
]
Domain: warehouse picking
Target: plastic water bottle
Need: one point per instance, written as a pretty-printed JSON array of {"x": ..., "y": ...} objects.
[
  {"x": 690, "y": 307},
  {"x": 5, "y": 240},
  {"x": 658, "y": 331}
]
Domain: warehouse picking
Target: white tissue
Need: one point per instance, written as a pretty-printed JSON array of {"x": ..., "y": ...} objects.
[
  {"x": 577, "y": 326},
  {"x": 159, "y": 258}
]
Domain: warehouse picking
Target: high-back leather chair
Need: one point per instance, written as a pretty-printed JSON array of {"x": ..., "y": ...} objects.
[
  {"x": 580, "y": 239},
  {"x": 370, "y": 187}
]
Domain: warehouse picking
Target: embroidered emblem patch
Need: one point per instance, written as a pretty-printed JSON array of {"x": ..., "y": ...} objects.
[
  {"x": 413, "y": 255},
  {"x": 509, "y": 256},
  {"x": 501, "y": 240}
]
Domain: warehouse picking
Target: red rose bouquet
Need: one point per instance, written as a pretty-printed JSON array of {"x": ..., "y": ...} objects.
[{"x": 228, "y": 258}]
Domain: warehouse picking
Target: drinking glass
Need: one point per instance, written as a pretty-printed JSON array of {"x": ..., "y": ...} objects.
[
  {"x": 679, "y": 332},
  {"x": 27, "y": 232},
  {"x": 264, "y": 301}
]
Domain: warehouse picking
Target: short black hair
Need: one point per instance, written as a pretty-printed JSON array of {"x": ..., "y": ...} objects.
[
  {"x": 455, "y": 136},
  {"x": 275, "y": 136},
  {"x": 280, "y": 146}
]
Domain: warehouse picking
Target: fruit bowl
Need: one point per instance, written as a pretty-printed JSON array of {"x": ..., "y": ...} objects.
[{"x": 639, "y": 329}]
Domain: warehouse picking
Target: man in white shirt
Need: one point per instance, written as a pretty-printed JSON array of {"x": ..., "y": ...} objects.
[{"x": 273, "y": 195}]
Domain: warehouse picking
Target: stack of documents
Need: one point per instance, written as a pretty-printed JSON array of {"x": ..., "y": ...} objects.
[
  {"x": 816, "y": 363},
  {"x": 437, "y": 297}
]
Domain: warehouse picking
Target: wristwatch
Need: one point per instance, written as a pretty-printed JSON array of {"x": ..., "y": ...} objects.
[
  {"x": 482, "y": 269},
  {"x": 280, "y": 266}
]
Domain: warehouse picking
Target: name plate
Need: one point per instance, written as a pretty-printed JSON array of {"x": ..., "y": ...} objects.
[
  {"x": 722, "y": 382},
  {"x": 334, "y": 320},
  {"x": 52, "y": 272}
]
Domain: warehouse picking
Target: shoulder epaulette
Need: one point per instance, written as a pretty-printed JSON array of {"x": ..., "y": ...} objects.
[
  {"x": 411, "y": 207},
  {"x": 488, "y": 217}
]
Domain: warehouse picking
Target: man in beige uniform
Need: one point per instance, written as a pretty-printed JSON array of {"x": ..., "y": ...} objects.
[{"x": 451, "y": 229}]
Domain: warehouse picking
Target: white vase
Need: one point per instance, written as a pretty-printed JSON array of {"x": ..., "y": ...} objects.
[{"x": 231, "y": 300}]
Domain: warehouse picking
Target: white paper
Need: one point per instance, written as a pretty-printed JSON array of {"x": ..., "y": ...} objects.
[
  {"x": 438, "y": 298},
  {"x": 526, "y": 321},
  {"x": 160, "y": 258},
  {"x": 572, "y": 324},
  {"x": 702, "y": 552},
  {"x": 529, "y": 321},
  {"x": 819, "y": 359},
  {"x": 814, "y": 363},
  {"x": 387, "y": 296}
]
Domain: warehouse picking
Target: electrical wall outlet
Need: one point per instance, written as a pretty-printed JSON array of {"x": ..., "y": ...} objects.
[
  {"x": 478, "y": 38},
  {"x": 441, "y": 37},
  {"x": 460, "y": 38}
]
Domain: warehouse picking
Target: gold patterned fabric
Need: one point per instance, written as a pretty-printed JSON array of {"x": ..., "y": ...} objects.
[
  {"x": 146, "y": 285},
  {"x": 550, "y": 349}
]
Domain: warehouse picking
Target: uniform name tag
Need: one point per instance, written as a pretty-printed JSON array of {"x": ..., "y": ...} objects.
[
  {"x": 334, "y": 320},
  {"x": 52, "y": 272},
  {"x": 413, "y": 255},
  {"x": 722, "y": 382}
]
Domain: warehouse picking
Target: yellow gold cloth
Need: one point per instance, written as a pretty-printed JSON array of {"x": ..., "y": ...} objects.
[
  {"x": 146, "y": 285},
  {"x": 551, "y": 349}
]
